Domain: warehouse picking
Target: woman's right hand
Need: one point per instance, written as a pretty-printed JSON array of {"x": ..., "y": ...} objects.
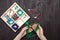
[{"x": 39, "y": 32}]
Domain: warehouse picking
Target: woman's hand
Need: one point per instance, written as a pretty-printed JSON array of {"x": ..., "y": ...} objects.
[
  {"x": 39, "y": 32},
  {"x": 22, "y": 33}
]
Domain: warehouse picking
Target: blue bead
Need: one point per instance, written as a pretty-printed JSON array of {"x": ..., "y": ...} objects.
[
  {"x": 15, "y": 26},
  {"x": 10, "y": 21},
  {"x": 7, "y": 17}
]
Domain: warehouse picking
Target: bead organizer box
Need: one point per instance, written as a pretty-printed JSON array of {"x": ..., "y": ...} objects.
[{"x": 15, "y": 17}]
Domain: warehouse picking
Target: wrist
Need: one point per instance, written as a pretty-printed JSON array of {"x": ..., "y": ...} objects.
[
  {"x": 42, "y": 37},
  {"x": 18, "y": 37}
]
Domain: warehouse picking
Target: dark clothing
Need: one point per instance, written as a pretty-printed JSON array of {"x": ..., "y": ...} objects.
[{"x": 49, "y": 17}]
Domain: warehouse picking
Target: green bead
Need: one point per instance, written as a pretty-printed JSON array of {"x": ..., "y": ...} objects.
[
  {"x": 27, "y": 23},
  {"x": 19, "y": 12}
]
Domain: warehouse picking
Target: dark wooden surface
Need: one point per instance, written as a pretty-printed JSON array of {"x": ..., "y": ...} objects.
[{"x": 50, "y": 17}]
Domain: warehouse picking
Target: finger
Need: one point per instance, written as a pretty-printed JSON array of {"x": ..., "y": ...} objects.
[
  {"x": 25, "y": 28},
  {"x": 34, "y": 26},
  {"x": 23, "y": 32},
  {"x": 41, "y": 29},
  {"x": 30, "y": 30}
]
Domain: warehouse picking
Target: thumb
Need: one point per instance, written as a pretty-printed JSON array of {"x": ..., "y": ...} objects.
[
  {"x": 41, "y": 29},
  {"x": 23, "y": 31},
  {"x": 25, "y": 28}
]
